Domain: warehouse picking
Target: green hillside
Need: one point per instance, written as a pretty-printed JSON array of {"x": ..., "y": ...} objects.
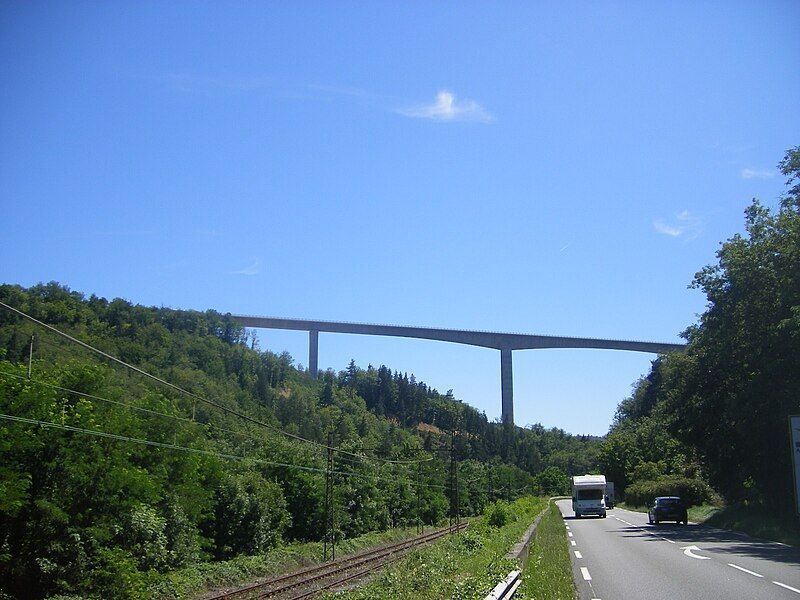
[{"x": 111, "y": 479}]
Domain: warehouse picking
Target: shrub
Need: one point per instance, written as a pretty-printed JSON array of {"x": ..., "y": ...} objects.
[
  {"x": 142, "y": 534},
  {"x": 251, "y": 516},
  {"x": 553, "y": 482},
  {"x": 692, "y": 491},
  {"x": 498, "y": 515}
]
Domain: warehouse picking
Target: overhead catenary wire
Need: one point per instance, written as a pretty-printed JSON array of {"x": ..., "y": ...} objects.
[
  {"x": 189, "y": 421},
  {"x": 127, "y": 405},
  {"x": 196, "y": 396},
  {"x": 168, "y": 446},
  {"x": 350, "y": 459}
]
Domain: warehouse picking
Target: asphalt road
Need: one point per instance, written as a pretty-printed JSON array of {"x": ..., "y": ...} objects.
[{"x": 621, "y": 557}]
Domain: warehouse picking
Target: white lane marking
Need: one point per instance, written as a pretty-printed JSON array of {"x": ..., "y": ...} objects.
[
  {"x": 578, "y": 554},
  {"x": 587, "y": 577},
  {"x": 689, "y": 551},
  {"x": 667, "y": 540},
  {"x": 569, "y": 533},
  {"x": 572, "y": 542},
  {"x": 788, "y": 587},
  {"x": 745, "y": 570}
]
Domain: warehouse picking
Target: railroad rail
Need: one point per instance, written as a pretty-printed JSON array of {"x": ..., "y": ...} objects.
[{"x": 310, "y": 581}]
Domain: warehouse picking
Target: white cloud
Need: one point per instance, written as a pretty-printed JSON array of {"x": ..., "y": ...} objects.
[
  {"x": 684, "y": 225},
  {"x": 757, "y": 173},
  {"x": 662, "y": 227},
  {"x": 447, "y": 108},
  {"x": 252, "y": 269}
]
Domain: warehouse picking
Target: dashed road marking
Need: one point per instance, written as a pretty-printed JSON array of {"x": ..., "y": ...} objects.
[
  {"x": 578, "y": 554},
  {"x": 745, "y": 570},
  {"x": 783, "y": 585},
  {"x": 587, "y": 577},
  {"x": 569, "y": 533},
  {"x": 572, "y": 542}
]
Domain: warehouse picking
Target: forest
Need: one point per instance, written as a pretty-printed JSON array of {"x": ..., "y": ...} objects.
[
  {"x": 136, "y": 441},
  {"x": 711, "y": 423}
]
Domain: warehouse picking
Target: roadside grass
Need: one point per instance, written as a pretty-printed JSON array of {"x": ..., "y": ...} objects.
[
  {"x": 464, "y": 566},
  {"x": 548, "y": 572},
  {"x": 753, "y": 520},
  {"x": 196, "y": 580}
]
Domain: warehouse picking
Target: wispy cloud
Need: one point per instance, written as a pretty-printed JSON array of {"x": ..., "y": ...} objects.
[
  {"x": 685, "y": 225},
  {"x": 757, "y": 173},
  {"x": 252, "y": 269},
  {"x": 446, "y": 108},
  {"x": 662, "y": 227}
]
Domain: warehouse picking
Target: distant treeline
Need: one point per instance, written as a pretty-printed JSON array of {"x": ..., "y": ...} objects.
[
  {"x": 182, "y": 481},
  {"x": 718, "y": 413}
]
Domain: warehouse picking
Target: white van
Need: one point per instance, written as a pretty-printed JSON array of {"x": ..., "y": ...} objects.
[{"x": 588, "y": 495}]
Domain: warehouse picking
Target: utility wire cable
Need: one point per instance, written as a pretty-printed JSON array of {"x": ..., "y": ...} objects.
[
  {"x": 164, "y": 445},
  {"x": 186, "y": 392},
  {"x": 146, "y": 442},
  {"x": 131, "y": 406},
  {"x": 355, "y": 461},
  {"x": 185, "y": 420}
]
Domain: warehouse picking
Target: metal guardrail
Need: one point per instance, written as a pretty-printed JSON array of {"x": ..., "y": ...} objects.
[{"x": 506, "y": 588}]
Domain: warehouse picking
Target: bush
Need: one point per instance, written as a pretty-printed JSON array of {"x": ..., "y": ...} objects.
[
  {"x": 691, "y": 491},
  {"x": 553, "y": 482},
  {"x": 250, "y": 516},
  {"x": 498, "y": 515}
]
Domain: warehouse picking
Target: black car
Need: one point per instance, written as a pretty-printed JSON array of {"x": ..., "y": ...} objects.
[{"x": 667, "y": 508}]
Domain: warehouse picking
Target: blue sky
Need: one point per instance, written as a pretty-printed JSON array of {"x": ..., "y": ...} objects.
[{"x": 545, "y": 168}]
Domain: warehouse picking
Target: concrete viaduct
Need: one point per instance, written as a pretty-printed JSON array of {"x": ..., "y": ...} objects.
[{"x": 505, "y": 342}]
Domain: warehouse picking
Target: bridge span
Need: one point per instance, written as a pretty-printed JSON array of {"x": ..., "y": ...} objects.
[{"x": 505, "y": 342}]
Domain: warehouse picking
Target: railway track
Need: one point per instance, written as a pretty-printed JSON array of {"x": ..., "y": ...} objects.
[{"x": 308, "y": 582}]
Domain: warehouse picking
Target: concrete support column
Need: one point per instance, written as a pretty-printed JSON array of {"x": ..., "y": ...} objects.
[
  {"x": 313, "y": 353},
  {"x": 507, "y": 386}
]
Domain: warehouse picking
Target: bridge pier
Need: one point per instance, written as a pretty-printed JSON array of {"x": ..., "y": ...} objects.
[
  {"x": 507, "y": 385},
  {"x": 313, "y": 353}
]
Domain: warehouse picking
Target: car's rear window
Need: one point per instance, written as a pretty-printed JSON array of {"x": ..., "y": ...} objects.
[{"x": 668, "y": 501}]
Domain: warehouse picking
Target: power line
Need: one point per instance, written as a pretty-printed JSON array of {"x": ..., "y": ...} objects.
[
  {"x": 146, "y": 442},
  {"x": 126, "y": 405},
  {"x": 191, "y": 394},
  {"x": 165, "y": 445}
]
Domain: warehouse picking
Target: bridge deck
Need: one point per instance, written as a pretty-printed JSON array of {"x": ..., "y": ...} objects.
[{"x": 486, "y": 339}]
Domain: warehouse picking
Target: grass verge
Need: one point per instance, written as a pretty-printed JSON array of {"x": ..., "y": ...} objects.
[
  {"x": 464, "y": 566},
  {"x": 548, "y": 572},
  {"x": 756, "y": 521}
]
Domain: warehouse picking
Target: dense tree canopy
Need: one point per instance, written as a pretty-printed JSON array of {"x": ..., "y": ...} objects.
[{"x": 720, "y": 409}]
